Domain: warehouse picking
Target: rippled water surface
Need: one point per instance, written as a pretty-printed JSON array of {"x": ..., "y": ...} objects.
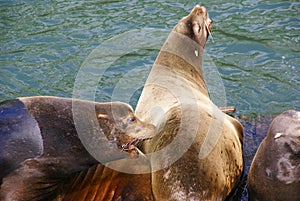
[
  {"x": 255, "y": 47},
  {"x": 254, "y": 52}
]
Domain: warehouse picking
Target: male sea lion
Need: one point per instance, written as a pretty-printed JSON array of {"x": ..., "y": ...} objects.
[
  {"x": 275, "y": 170},
  {"x": 40, "y": 146},
  {"x": 197, "y": 154}
]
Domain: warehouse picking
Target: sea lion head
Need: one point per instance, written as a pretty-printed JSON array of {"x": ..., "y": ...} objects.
[
  {"x": 197, "y": 25},
  {"x": 122, "y": 127}
]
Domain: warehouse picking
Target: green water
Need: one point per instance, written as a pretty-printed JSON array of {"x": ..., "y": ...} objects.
[{"x": 255, "y": 47}]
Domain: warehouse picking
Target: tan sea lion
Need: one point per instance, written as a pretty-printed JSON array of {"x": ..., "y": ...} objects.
[
  {"x": 103, "y": 183},
  {"x": 197, "y": 153},
  {"x": 41, "y": 148},
  {"x": 275, "y": 170}
]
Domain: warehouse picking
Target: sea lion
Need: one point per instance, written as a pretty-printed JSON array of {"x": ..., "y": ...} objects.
[
  {"x": 41, "y": 147},
  {"x": 275, "y": 170},
  {"x": 197, "y": 153},
  {"x": 255, "y": 129}
]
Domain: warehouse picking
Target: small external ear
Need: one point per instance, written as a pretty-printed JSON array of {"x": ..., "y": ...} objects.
[
  {"x": 102, "y": 116},
  {"x": 196, "y": 30}
]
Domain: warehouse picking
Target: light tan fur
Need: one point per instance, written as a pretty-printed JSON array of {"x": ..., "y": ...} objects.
[{"x": 197, "y": 153}]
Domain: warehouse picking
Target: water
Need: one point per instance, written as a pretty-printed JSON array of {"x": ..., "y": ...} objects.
[
  {"x": 254, "y": 56},
  {"x": 255, "y": 49}
]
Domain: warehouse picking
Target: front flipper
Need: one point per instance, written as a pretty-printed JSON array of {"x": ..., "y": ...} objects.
[{"x": 39, "y": 178}]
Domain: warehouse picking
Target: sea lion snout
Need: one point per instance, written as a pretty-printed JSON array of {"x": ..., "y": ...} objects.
[
  {"x": 126, "y": 129},
  {"x": 197, "y": 25},
  {"x": 140, "y": 129}
]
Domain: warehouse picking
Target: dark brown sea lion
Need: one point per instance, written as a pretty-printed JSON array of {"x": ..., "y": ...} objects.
[
  {"x": 275, "y": 170},
  {"x": 197, "y": 154},
  {"x": 255, "y": 129},
  {"x": 40, "y": 147}
]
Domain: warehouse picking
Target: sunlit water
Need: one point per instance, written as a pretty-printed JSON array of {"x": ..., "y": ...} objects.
[{"x": 254, "y": 51}]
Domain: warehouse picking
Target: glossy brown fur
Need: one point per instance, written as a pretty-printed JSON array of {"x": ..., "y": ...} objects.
[
  {"x": 42, "y": 174},
  {"x": 275, "y": 170}
]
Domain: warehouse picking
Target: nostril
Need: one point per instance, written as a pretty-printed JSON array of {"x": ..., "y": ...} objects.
[{"x": 201, "y": 8}]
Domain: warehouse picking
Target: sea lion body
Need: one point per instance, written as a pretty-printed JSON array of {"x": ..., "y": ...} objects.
[
  {"x": 41, "y": 146},
  {"x": 275, "y": 170},
  {"x": 197, "y": 153}
]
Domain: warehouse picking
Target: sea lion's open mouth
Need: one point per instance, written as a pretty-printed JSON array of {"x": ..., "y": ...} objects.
[
  {"x": 132, "y": 137},
  {"x": 208, "y": 22},
  {"x": 132, "y": 147}
]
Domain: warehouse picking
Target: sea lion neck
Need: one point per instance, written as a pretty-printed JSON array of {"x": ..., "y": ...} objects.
[
  {"x": 185, "y": 48},
  {"x": 183, "y": 56}
]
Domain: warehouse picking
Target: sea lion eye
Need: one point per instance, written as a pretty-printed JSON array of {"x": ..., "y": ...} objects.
[{"x": 131, "y": 119}]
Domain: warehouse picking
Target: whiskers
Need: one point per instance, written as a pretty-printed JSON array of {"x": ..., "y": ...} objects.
[
  {"x": 207, "y": 28},
  {"x": 141, "y": 153},
  {"x": 132, "y": 146}
]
